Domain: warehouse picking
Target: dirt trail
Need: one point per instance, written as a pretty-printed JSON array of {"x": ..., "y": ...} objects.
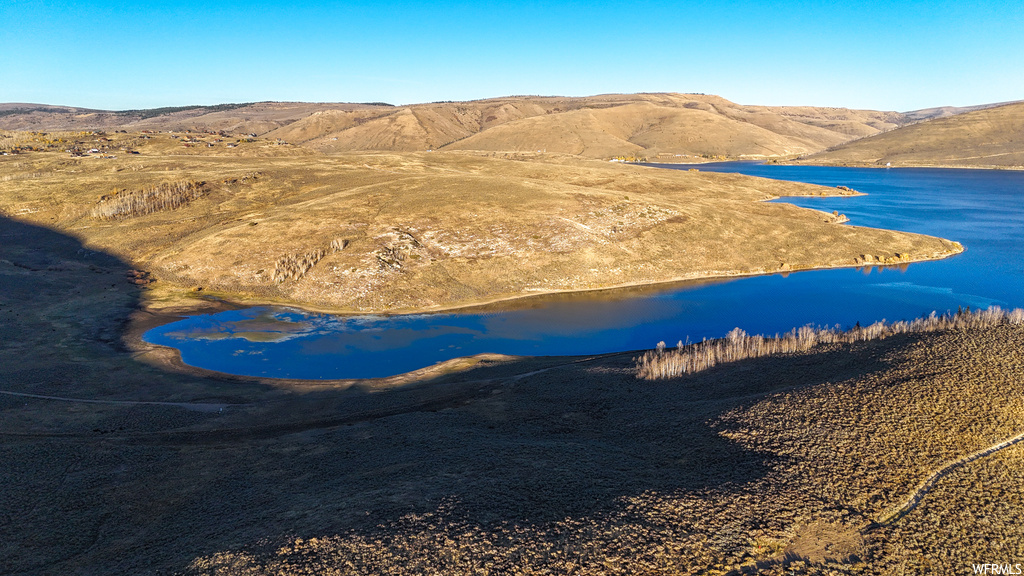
[
  {"x": 896, "y": 513},
  {"x": 197, "y": 406},
  {"x": 912, "y": 501}
]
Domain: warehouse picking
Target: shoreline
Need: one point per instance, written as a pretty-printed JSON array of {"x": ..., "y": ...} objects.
[
  {"x": 229, "y": 301},
  {"x": 147, "y": 318},
  {"x": 169, "y": 358},
  {"x": 796, "y": 162},
  {"x": 237, "y": 300},
  {"x": 873, "y": 165}
]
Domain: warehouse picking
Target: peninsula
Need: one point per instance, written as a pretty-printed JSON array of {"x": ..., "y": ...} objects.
[{"x": 312, "y": 212}]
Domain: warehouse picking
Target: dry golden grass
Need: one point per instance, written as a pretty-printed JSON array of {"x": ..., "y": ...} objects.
[
  {"x": 259, "y": 117},
  {"x": 988, "y": 138},
  {"x": 974, "y": 506},
  {"x": 688, "y": 125},
  {"x": 428, "y": 230},
  {"x": 603, "y": 126}
]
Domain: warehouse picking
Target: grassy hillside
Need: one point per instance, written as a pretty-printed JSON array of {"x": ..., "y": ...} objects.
[
  {"x": 259, "y": 117},
  {"x": 687, "y": 125},
  {"x": 419, "y": 231},
  {"x": 946, "y": 111},
  {"x": 988, "y": 138}
]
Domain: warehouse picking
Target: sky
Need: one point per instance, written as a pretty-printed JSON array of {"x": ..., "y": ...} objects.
[{"x": 109, "y": 54}]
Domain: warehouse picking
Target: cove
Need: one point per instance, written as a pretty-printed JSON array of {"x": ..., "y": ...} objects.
[{"x": 982, "y": 209}]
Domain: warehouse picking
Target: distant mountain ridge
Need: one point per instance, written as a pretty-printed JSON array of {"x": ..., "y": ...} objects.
[
  {"x": 986, "y": 137},
  {"x": 947, "y": 111},
  {"x": 238, "y": 117},
  {"x": 661, "y": 126}
]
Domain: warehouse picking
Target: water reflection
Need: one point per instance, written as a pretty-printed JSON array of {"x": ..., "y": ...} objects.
[{"x": 981, "y": 209}]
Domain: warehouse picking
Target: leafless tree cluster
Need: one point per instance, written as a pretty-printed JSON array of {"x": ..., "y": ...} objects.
[
  {"x": 738, "y": 345},
  {"x": 295, "y": 266},
  {"x": 167, "y": 196}
]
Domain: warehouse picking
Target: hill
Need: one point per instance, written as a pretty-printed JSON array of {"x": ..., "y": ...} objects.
[
  {"x": 986, "y": 138},
  {"x": 259, "y": 117},
  {"x": 947, "y": 111},
  {"x": 650, "y": 125},
  {"x": 387, "y": 231}
]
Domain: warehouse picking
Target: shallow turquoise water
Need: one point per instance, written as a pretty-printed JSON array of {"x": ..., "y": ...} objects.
[{"x": 982, "y": 209}]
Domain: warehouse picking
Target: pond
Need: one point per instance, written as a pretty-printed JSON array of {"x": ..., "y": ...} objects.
[{"x": 982, "y": 209}]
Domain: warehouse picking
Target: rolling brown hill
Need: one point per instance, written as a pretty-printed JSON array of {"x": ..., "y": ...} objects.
[
  {"x": 258, "y": 117},
  {"x": 120, "y": 459},
  {"x": 986, "y": 138},
  {"x": 645, "y": 125},
  {"x": 947, "y": 111},
  {"x": 598, "y": 127}
]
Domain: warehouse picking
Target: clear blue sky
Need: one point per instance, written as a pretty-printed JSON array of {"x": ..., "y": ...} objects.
[{"x": 882, "y": 55}]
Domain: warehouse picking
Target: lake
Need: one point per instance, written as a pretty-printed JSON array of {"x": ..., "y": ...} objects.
[{"x": 982, "y": 209}]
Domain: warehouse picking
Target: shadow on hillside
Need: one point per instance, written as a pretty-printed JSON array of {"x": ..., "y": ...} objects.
[
  {"x": 57, "y": 294},
  {"x": 571, "y": 441}
]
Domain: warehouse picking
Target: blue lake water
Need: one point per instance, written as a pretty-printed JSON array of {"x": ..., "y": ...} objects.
[{"x": 982, "y": 209}]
